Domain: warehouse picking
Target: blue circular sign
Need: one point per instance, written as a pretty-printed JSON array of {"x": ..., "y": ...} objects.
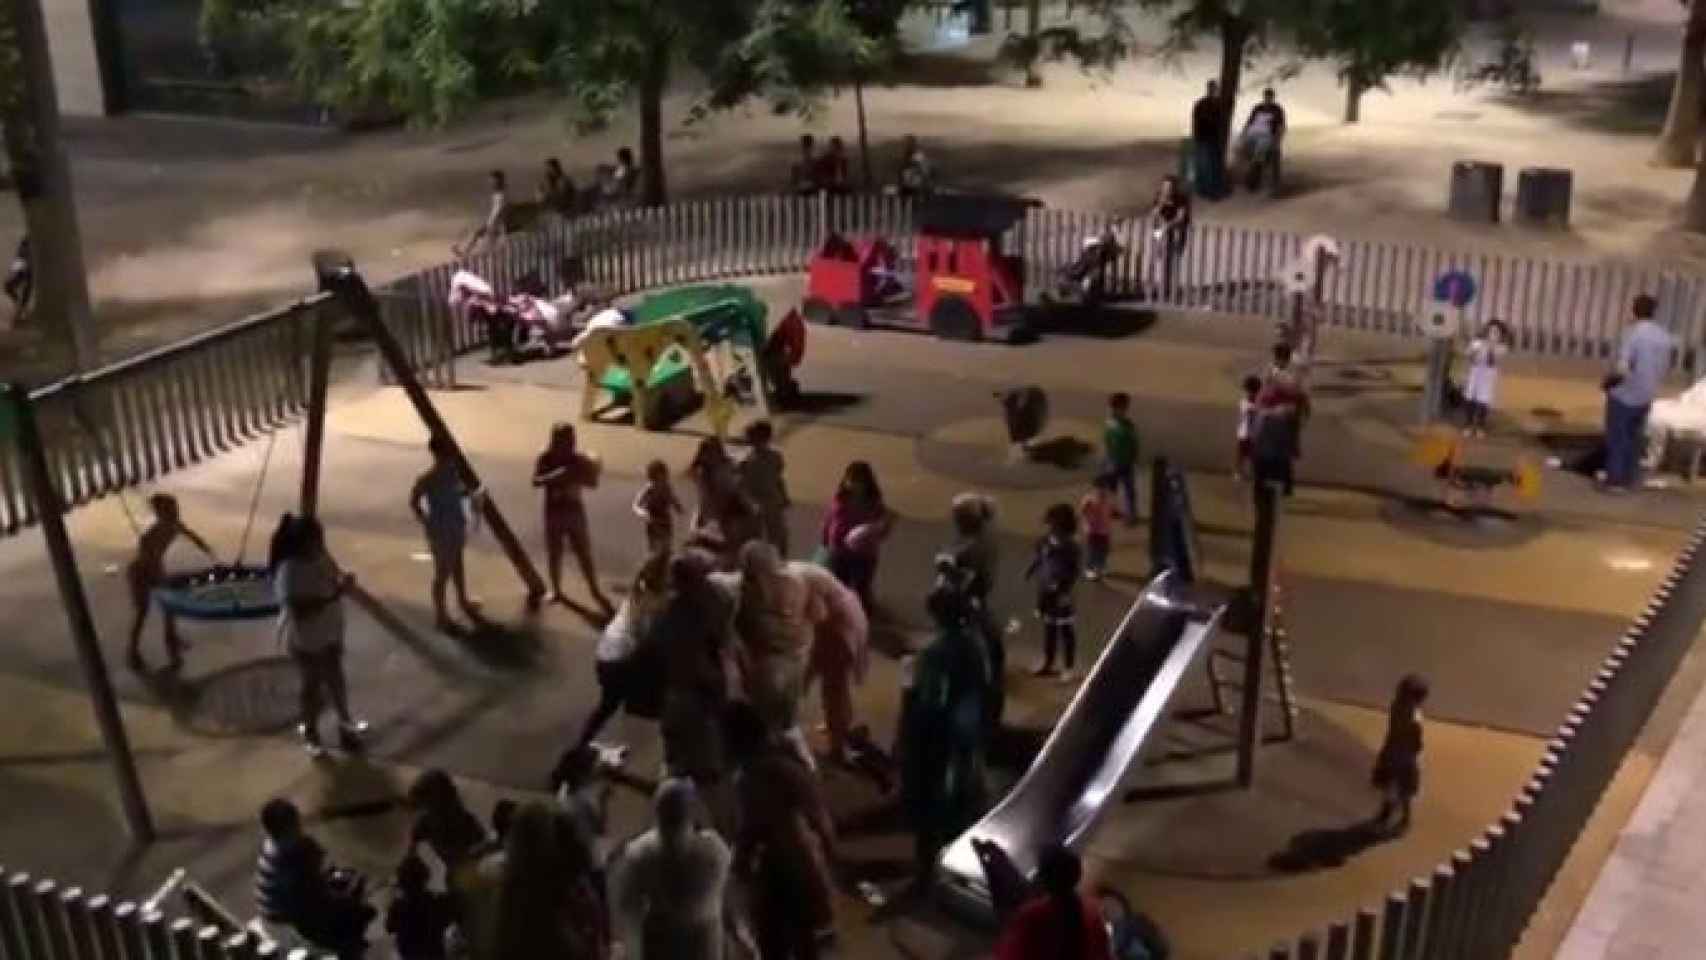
[{"x": 1455, "y": 287}]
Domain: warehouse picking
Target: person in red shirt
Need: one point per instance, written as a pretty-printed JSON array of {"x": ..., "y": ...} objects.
[
  {"x": 1059, "y": 923},
  {"x": 562, "y": 472}
]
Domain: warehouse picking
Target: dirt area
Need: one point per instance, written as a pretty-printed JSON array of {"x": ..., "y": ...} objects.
[{"x": 189, "y": 222}]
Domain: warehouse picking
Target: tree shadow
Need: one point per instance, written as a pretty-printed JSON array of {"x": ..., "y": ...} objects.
[
  {"x": 1632, "y": 107},
  {"x": 1326, "y": 849},
  {"x": 1105, "y": 322}
]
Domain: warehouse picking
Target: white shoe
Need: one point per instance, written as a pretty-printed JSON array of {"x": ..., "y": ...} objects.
[{"x": 1092, "y": 575}]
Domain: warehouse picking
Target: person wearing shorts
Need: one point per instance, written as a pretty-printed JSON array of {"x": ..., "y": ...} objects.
[
  {"x": 147, "y": 570},
  {"x": 437, "y": 502},
  {"x": 562, "y": 472}
]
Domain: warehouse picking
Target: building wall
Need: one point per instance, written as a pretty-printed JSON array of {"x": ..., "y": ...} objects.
[{"x": 76, "y": 66}]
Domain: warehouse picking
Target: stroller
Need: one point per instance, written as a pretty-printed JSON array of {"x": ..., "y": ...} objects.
[{"x": 1085, "y": 279}]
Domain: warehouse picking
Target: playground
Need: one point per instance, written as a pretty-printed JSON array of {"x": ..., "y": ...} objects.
[{"x": 1375, "y": 583}]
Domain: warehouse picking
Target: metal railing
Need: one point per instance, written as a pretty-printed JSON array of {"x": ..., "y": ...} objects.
[
  {"x": 1554, "y": 307},
  {"x": 166, "y": 409},
  {"x": 43, "y": 920},
  {"x": 1477, "y": 904}
]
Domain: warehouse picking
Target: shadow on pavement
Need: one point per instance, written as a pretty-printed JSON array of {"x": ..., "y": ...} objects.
[{"x": 1324, "y": 849}]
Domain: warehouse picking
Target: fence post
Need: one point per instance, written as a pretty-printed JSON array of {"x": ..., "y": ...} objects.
[
  {"x": 155, "y": 935},
  {"x": 128, "y": 919},
  {"x": 1415, "y": 917},
  {"x": 1392, "y": 927},
  {"x": 1362, "y": 937},
  {"x": 1338, "y": 941}
]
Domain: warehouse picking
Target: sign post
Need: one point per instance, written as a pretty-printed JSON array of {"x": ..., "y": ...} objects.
[{"x": 1440, "y": 322}]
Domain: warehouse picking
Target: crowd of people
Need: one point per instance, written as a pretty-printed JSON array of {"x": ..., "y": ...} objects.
[
  {"x": 614, "y": 184},
  {"x": 829, "y": 171}
]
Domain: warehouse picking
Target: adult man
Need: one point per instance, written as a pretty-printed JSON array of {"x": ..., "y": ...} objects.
[
  {"x": 1208, "y": 143},
  {"x": 1642, "y": 362},
  {"x": 1259, "y": 144}
]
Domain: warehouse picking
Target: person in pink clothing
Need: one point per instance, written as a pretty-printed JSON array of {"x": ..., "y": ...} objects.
[
  {"x": 839, "y": 653},
  {"x": 1096, "y": 509}
]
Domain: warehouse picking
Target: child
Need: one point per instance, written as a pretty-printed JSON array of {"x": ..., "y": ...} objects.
[
  {"x": 418, "y": 917},
  {"x": 436, "y": 501},
  {"x": 1097, "y": 510},
  {"x": 1398, "y": 768},
  {"x": 148, "y": 569},
  {"x": 1247, "y": 412},
  {"x": 1482, "y": 381},
  {"x": 1120, "y": 447},
  {"x": 761, "y": 479},
  {"x": 657, "y": 505},
  {"x": 1056, "y": 567}
]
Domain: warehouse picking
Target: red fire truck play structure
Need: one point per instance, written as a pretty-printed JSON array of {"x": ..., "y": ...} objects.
[{"x": 962, "y": 286}]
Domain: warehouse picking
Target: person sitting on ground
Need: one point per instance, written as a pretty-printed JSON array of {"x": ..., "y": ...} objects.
[
  {"x": 147, "y": 571},
  {"x": 418, "y": 917},
  {"x": 1059, "y": 923},
  {"x": 832, "y": 173},
  {"x": 295, "y": 886},
  {"x": 556, "y": 191},
  {"x": 916, "y": 177},
  {"x": 802, "y": 176},
  {"x": 667, "y": 884}
]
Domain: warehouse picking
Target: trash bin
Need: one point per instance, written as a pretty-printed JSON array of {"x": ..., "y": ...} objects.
[
  {"x": 1477, "y": 190},
  {"x": 1543, "y": 196}
]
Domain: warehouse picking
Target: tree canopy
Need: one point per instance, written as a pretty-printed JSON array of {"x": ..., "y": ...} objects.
[{"x": 1372, "y": 40}]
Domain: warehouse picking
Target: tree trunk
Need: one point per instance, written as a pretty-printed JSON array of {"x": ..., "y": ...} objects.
[
  {"x": 1033, "y": 27},
  {"x": 1694, "y": 214},
  {"x": 42, "y": 173},
  {"x": 1234, "y": 41},
  {"x": 864, "y": 131},
  {"x": 1354, "y": 89},
  {"x": 1681, "y": 137},
  {"x": 654, "y": 188}
]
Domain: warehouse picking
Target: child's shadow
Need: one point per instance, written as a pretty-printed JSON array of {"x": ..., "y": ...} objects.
[
  {"x": 1065, "y": 453},
  {"x": 1323, "y": 849}
]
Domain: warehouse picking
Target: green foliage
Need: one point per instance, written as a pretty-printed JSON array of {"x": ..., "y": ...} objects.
[
  {"x": 1373, "y": 39},
  {"x": 799, "y": 51}
]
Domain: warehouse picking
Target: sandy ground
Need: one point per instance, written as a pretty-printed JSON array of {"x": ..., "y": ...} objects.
[{"x": 190, "y": 222}]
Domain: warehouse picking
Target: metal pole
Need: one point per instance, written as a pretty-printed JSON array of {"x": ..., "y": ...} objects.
[
  {"x": 1261, "y": 584},
  {"x": 339, "y": 276},
  {"x": 64, "y": 558},
  {"x": 319, "y": 381}
]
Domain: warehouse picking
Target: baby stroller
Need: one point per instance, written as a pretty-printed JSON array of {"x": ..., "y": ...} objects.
[{"x": 1085, "y": 279}]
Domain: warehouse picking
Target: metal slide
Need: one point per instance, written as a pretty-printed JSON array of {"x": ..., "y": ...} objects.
[{"x": 1122, "y": 701}]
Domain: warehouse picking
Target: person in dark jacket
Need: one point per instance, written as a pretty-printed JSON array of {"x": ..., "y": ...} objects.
[
  {"x": 418, "y": 916},
  {"x": 1208, "y": 143},
  {"x": 1398, "y": 767},
  {"x": 1057, "y": 565},
  {"x": 976, "y": 552},
  {"x": 296, "y": 887}
]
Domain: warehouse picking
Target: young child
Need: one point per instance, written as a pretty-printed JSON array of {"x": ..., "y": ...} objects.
[
  {"x": 761, "y": 479},
  {"x": 656, "y": 504},
  {"x": 1056, "y": 567},
  {"x": 1480, "y": 386},
  {"x": 148, "y": 569},
  {"x": 1247, "y": 413},
  {"x": 1398, "y": 767},
  {"x": 418, "y": 916},
  {"x": 1120, "y": 448},
  {"x": 437, "y": 501},
  {"x": 1096, "y": 509}
]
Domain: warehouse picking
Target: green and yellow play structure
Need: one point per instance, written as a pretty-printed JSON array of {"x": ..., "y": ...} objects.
[{"x": 679, "y": 351}]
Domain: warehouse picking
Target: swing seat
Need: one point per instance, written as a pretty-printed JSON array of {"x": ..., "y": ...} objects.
[{"x": 219, "y": 593}]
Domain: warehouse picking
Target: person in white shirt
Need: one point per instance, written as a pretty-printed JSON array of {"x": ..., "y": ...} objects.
[
  {"x": 1643, "y": 360},
  {"x": 310, "y": 590},
  {"x": 1481, "y": 384},
  {"x": 491, "y": 229},
  {"x": 666, "y": 890},
  {"x": 1247, "y": 414}
]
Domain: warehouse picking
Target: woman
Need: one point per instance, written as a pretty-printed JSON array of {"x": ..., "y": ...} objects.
[
  {"x": 941, "y": 737},
  {"x": 773, "y": 627},
  {"x": 1170, "y": 225},
  {"x": 563, "y": 472},
  {"x": 1057, "y": 924},
  {"x": 975, "y": 551},
  {"x": 840, "y": 650},
  {"x": 785, "y": 843},
  {"x": 310, "y": 590},
  {"x": 715, "y": 481},
  {"x": 854, "y": 530},
  {"x": 446, "y": 826},
  {"x": 536, "y": 896},
  {"x": 626, "y": 668}
]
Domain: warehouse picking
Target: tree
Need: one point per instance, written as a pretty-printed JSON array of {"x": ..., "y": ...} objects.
[
  {"x": 799, "y": 51},
  {"x": 1694, "y": 213},
  {"x": 1373, "y": 39},
  {"x": 1680, "y": 140},
  {"x": 1096, "y": 51},
  {"x": 29, "y": 115}
]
